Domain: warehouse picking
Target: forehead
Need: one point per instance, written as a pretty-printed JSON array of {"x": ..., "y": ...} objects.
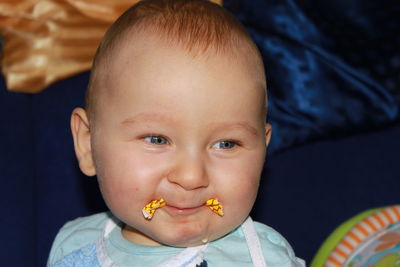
[
  {"x": 152, "y": 62},
  {"x": 137, "y": 51}
]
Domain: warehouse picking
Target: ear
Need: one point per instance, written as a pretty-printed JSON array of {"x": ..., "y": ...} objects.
[
  {"x": 268, "y": 132},
  {"x": 81, "y": 135}
]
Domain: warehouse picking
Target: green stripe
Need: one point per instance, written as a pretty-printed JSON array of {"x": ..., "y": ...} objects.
[{"x": 337, "y": 235}]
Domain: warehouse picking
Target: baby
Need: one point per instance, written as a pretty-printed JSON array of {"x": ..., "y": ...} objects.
[{"x": 175, "y": 130}]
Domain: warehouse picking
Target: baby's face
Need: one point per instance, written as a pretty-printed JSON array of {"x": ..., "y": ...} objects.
[{"x": 185, "y": 129}]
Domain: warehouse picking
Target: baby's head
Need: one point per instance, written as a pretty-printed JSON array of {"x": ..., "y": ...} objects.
[{"x": 175, "y": 111}]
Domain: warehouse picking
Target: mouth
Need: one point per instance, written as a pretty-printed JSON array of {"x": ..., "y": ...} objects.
[{"x": 184, "y": 211}]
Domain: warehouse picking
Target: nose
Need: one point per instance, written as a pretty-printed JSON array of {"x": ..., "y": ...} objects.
[{"x": 189, "y": 172}]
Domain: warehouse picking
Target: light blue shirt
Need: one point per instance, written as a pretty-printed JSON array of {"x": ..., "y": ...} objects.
[{"x": 75, "y": 243}]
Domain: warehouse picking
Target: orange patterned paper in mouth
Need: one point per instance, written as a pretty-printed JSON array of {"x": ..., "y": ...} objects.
[
  {"x": 215, "y": 206},
  {"x": 149, "y": 210}
]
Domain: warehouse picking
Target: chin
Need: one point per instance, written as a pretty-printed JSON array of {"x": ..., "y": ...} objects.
[{"x": 183, "y": 236}]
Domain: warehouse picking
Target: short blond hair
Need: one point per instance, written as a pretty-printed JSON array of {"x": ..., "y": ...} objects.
[{"x": 195, "y": 25}]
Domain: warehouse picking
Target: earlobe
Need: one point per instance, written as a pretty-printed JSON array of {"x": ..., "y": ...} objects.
[
  {"x": 268, "y": 132},
  {"x": 81, "y": 134}
]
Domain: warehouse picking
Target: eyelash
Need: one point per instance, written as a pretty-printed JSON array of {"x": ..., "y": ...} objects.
[
  {"x": 157, "y": 138},
  {"x": 233, "y": 142}
]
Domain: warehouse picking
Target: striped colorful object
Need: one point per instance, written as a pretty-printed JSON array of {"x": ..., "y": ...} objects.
[
  {"x": 215, "y": 206},
  {"x": 149, "y": 209},
  {"x": 360, "y": 240}
]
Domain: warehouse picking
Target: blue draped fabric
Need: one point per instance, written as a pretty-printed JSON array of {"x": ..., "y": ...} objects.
[{"x": 333, "y": 67}]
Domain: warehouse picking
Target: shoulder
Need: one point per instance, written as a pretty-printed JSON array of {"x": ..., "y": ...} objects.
[
  {"x": 277, "y": 251},
  {"x": 77, "y": 234}
]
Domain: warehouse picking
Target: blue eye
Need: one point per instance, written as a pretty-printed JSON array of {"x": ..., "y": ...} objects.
[
  {"x": 225, "y": 145},
  {"x": 156, "y": 140}
]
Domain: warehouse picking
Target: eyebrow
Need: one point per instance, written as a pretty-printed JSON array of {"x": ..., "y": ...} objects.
[
  {"x": 153, "y": 116},
  {"x": 237, "y": 125}
]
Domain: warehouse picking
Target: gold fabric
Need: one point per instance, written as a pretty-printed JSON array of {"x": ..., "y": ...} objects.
[{"x": 48, "y": 40}]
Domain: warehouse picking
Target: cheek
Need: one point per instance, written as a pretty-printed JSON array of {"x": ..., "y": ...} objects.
[
  {"x": 127, "y": 176},
  {"x": 237, "y": 180},
  {"x": 236, "y": 184}
]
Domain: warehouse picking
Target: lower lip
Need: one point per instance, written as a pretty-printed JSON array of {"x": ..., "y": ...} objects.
[{"x": 174, "y": 211}]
